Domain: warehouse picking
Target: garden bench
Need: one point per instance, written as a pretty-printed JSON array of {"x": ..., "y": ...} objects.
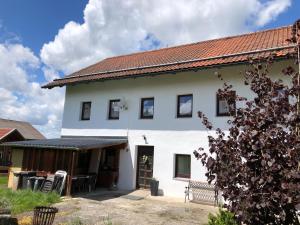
[{"x": 202, "y": 192}]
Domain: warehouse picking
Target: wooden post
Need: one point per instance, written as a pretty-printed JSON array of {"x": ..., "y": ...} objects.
[{"x": 71, "y": 174}]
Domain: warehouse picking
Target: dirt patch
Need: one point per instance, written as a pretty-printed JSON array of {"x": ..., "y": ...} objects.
[{"x": 125, "y": 210}]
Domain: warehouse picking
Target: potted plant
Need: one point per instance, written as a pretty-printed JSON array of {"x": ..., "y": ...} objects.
[{"x": 154, "y": 187}]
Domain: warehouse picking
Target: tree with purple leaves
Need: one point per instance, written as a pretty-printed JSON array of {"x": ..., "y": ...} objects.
[{"x": 256, "y": 163}]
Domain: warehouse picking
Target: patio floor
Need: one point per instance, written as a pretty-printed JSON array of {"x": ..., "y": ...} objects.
[{"x": 135, "y": 208}]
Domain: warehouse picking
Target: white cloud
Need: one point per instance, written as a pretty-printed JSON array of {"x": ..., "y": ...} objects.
[
  {"x": 122, "y": 26},
  {"x": 21, "y": 96},
  {"x": 270, "y": 10},
  {"x": 50, "y": 74}
]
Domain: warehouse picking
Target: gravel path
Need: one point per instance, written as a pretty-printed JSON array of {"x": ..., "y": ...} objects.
[{"x": 136, "y": 208}]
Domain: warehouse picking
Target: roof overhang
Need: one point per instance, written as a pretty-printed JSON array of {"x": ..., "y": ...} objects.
[
  {"x": 281, "y": 52},
  {"x": 75, "y": 144}
]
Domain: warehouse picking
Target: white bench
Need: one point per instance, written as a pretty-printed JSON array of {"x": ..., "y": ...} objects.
[{"x": 202, "y": 192}]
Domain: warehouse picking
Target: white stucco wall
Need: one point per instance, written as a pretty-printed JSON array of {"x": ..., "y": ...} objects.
[{"x": 169, "y": 135}]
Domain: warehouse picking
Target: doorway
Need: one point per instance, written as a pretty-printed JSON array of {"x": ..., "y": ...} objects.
[
  {"x": 108, "y": 171},
  {"x": 144, "y": 174}
]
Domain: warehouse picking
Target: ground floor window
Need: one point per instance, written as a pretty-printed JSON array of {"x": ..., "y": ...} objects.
[{"x": 182, "y": 166}]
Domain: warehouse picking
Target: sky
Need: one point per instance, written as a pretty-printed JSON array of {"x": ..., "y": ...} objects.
[{"x": 44, "y": 40}]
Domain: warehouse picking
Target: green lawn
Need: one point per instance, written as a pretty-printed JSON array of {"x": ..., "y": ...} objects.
[
  {"x": 3, "y": 181},
  {"x": 25, "y": 200}
]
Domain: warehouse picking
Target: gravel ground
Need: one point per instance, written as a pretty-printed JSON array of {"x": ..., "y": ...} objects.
[{"x": 136, "y": 208}]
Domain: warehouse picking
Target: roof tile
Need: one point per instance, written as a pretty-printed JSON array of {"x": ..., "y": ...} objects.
[
  {"x": 202, "y": 54},
  {"x": 4, "y": 132}
]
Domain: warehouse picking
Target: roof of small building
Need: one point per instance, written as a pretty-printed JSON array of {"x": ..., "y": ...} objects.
[
  {"x": 24, "y": 128},
  {"x": 5, "y": 131},
  {"x": 68, "y": 143},
  {"x": 229, "y": 50}
]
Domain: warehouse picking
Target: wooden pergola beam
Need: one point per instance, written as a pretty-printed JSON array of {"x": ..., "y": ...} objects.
[{"x": 71, "y": 169}]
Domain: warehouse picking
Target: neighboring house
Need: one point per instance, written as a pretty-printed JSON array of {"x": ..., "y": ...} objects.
[
  {"x": 11, "y": 131},
  {"x": 151, "y": 100},
  {"x": 7, "y": 135}
]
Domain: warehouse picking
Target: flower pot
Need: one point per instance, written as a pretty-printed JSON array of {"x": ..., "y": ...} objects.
[
  {"x": 44, "y": 215},
  {"x": 154, "y": 187}
]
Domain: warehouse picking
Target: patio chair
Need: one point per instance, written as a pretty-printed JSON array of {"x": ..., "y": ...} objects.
[
  {"x": 92, "y": 181},
  {"x": 55, "y": 182},
  {"x": 82, "y": 183},
  {"x": 59, "y": 181},
  {"x": 47, "y": 184}
]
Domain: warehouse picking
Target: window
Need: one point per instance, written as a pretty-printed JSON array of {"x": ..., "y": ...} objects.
[
  {"x": 113, "y": 111},
  {"x": 225, "y": 106},
  {"x": 182, "y": 166},
  {"x": 86, "y": 110},
  {"x": 147, "y": 108},
  {"x": 185, "y": 106}
]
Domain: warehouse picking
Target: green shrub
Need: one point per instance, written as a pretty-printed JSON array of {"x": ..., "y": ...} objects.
[{"x": 223, "y": 217}]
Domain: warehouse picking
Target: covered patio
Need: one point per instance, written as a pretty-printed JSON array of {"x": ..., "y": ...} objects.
[{"x": 79, "y": 157}]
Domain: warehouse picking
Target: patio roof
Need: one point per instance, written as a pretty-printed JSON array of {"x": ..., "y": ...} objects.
[{"x": 69, "y": 143}]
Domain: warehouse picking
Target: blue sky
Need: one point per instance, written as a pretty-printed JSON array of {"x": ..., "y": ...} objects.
[
  {"x": 286, "y": 18},
  {"x": 36, "y": 22},
  {"x": 42, "y": 40}
]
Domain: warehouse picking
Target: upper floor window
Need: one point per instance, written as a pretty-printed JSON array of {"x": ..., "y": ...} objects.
[
  {"x": 182, "y": 166},
  {"x": 185, "y": 105},
  {"x": 225, "y": 106},
  {"x": 114, "y": 109},
  {"x": 147, "y": 108},
  {"x": 86, "y": 110}
]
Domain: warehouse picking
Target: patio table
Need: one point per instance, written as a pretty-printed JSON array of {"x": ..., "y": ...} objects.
[{"x": 81, "y": 183}]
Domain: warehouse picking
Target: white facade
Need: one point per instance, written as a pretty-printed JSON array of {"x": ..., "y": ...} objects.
[{"x": 168, "y": 134}]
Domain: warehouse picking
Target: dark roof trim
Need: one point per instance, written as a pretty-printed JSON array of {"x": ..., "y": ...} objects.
[{"x": 76, "y": 144}]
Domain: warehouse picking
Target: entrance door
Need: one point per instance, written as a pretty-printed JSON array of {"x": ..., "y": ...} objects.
[{"x": 144, "y": 166}]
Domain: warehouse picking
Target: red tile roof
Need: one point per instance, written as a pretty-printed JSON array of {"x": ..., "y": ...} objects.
[
  {"x": 24, "y": 128},
  {"x": 204, "y": 54},
  {"x": 4, "y": 132}
]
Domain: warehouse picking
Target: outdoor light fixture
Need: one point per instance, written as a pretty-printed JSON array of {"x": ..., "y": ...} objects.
[{"x": 145, "y": 139}]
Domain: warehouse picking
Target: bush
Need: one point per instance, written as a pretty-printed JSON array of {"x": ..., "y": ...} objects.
[{"x": 223, "y": 217}]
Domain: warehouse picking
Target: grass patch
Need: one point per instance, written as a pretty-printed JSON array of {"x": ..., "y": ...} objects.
[
  {"x": 3, "y": 181},
  {"x": 25, "y": 200}
]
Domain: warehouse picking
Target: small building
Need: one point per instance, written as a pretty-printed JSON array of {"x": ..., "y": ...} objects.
[
  {"x": 10, "y": 131},
  {"x": 7, "y": 135}
]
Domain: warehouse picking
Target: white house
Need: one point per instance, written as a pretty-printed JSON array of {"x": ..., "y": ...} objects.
[{"x": 152, "y": 99}]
